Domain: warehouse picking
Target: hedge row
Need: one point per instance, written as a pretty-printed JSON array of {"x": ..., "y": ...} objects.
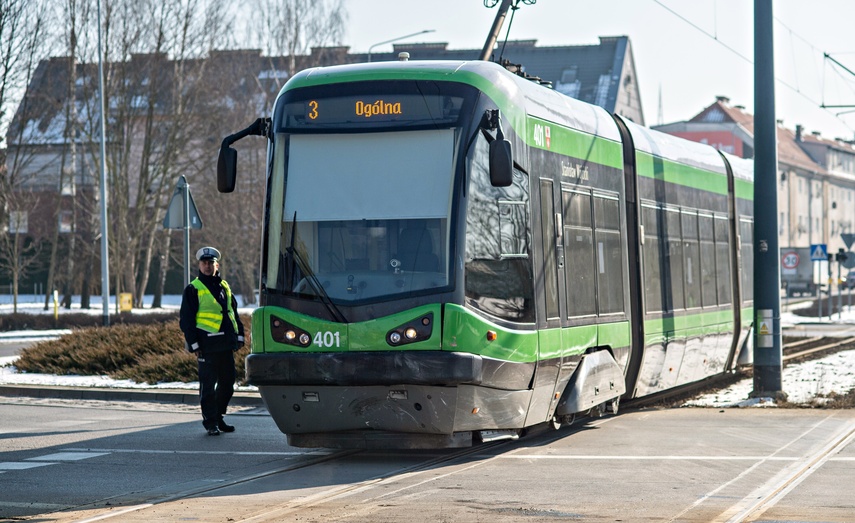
[
  {"x": 77, "y": 320},
  {"x": 142, "y": 353}
]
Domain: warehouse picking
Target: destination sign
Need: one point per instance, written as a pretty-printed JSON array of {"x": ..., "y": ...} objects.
[
  {"x": 366, "y": 109},
  {"x": 369, "y": 110}
]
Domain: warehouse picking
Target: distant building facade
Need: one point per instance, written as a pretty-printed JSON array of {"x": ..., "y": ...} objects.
[
  {"x": 602, "y": 74},
  {"x": 53, "y": 137}
]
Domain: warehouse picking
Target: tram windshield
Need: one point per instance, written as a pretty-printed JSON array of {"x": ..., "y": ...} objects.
[{"x": 364, "y": 215}]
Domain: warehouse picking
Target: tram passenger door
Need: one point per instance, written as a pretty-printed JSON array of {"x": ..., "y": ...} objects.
[{"x": 550, "y": 342}]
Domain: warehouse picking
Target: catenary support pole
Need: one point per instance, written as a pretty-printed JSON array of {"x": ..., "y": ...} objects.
[
  {"x": 767, "y": 273},
  {"x": 105, "y": 246}
]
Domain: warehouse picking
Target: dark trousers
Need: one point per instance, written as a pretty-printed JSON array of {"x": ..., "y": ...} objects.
[{"x": 216, "y": 385}]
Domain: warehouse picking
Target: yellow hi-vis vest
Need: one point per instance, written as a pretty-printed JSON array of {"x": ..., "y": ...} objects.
[{"x": 210, "y": 314}]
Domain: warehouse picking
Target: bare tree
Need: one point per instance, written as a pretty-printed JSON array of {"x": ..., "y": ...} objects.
[
  {"x": 21, "y": 30},
  {"x": 291, "y": 28},
  {"x": 152, "y": 121}
]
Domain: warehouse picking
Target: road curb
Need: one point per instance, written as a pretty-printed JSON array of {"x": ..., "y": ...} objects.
[{"x": 188, "y": 397}]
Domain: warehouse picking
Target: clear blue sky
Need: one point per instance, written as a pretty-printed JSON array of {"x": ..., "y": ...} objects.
[{"x": 693, "y": 50}]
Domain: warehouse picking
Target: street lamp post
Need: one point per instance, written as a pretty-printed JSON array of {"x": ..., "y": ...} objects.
[
  {"x": 396, "y": 39},
  {"x": 105, "y": 249}
]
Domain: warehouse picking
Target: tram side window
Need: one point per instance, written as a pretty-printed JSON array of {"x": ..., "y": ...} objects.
[
  {"x": 550, "y": 268},
  {"x": 691, "y": 259},
  {"x": 746, "y": 232},
  {"x": 608, "y": 255},
  {"x": 722, "y": 260},
  {"x": 674, "y": 261},
  {"x": 653, "y": 281},
  {"x": 707, "y": 249},
  {"x": 579, "y": 254},
  {"x": 498, "y": 270}
]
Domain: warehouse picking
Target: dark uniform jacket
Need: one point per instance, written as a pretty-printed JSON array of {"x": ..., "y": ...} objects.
[{"x": 225, "y": 340}]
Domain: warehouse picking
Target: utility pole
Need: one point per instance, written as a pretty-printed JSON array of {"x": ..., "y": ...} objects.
[
  {"x": 105, "y": 245},
  {"x": 768, "y": 361}
]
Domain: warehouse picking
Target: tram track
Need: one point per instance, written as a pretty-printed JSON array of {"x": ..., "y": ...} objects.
[
  {"x": 310, "y": 502},
  {"x": 151, "y": 509}
]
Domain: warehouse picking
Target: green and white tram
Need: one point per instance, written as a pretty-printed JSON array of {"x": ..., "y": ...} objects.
[{"x": 453, "y": 253}]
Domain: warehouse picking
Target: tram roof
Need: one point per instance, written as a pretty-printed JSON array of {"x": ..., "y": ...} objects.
[
  {"x": 675, "y": 149},
  {"x": 743, "y": 168},
  {"x": 517, "y": 97}
]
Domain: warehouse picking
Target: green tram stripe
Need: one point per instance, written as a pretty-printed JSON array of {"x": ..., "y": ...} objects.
[
  {"x": 576, "y": 144},
  {"x": 466, "y": 332},
  {"x": 743, "y": 189},
  {"x": 563, "y": 140},
  {"x": 657, "y": 168},
  {"x": 463, "y": 332},
  {"x": 689, "y": 325}
]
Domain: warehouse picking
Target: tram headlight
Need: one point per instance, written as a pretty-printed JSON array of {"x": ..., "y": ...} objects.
[
  {"x": 416, "y": 330},
  {"x": 284, "y": 332}
]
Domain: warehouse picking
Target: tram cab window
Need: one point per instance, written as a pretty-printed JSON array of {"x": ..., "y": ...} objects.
[
  {"x": 347, "y": 232},
  {"x": 498, "y": 269}
]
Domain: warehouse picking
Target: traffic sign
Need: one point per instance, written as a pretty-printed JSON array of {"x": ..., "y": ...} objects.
[
  {"x": 818, "y": 252},
  {"x": 849, "y": 262},
  {"x": 790, "y": 260},
  {"x": 848, "y": 239},
  {"x": 174, "y": 218}
]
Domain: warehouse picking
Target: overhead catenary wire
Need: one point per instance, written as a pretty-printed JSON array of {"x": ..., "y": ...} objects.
[{"x": 820, "y": 104}]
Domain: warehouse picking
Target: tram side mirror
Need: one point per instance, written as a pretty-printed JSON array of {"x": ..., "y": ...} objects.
[
  {"x": 226, "y": 169},
  {"x": 501, "y": 163}
]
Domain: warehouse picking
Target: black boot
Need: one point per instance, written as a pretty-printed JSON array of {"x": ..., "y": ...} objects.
[{"x": 224, "y": 427}]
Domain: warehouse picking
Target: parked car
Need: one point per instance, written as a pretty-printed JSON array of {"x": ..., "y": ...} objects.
[{"x": 850, "y": 281}]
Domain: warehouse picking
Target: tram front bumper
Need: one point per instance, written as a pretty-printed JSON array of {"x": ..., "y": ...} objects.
[{"x": 364, "y": 368}]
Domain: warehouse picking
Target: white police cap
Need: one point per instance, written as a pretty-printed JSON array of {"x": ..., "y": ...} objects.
[{"x": 208, "y": 253}]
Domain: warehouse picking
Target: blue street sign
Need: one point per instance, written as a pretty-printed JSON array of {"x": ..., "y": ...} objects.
[{"x": 818, "y": 252}]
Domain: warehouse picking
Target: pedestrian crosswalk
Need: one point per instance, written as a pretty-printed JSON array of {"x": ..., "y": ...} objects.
[{"x": 47, "y": 459}]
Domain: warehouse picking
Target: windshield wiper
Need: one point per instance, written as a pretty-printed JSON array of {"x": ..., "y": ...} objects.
[{"x": 297, "y": 258}]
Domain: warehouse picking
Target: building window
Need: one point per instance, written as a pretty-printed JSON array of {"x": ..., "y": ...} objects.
[
  {"x": 18, "y": 222},
  {"x": 64, "y": 224}
]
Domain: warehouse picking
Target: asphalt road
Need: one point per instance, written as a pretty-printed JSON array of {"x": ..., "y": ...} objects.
[
  {"x": 78, "y": 461},
  {"x": 12, "y": 348}
]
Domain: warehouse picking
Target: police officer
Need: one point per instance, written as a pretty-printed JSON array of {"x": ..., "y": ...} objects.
[{"x": 213, "y": 332}]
